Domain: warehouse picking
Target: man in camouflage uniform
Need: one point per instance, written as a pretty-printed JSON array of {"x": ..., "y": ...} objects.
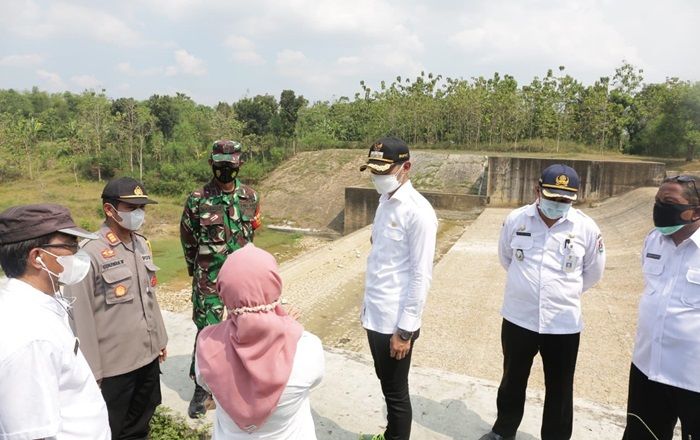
[{"x": 217, "y": 219}]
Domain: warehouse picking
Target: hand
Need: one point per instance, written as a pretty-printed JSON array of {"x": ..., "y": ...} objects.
[
  {"x": 292, "y": 311},
  {"x": 398, "y": 348},
  {"x": 162, "y": 355}
]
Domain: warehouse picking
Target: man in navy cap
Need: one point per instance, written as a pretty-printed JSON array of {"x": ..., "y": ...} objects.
[
  {"x": 116, "y": 312},
  {"x": 399, "y": 272},
  {"x": 47, "y": 388},
  {"x": 552, "y": 253}
]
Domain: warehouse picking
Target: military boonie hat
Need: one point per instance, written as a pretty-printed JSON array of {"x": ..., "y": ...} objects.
[
  {"x": 226, "y": 151},
  {"x": 559, "y": 180},
  {"x": 386, "y": 152},
  {"x": 21, "y": 223},
  {"x": 127, "y": 190}
]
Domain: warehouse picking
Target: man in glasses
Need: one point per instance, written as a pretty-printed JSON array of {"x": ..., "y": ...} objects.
[
  {"x": 664, "y": 383},
  {"x": 218, "y": 219},
  {"x": 552, "y": 253},
  {"x": 48, "y": 390},
  {"x": 116, "y": 312}
]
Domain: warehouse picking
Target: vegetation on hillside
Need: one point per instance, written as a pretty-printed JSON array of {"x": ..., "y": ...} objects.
[{"x": 164, "y": 140}]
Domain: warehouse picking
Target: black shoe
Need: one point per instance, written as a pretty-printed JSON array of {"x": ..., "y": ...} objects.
[
  {"x": 198, "y": 406},
  {"x": 493, "y": 436}
]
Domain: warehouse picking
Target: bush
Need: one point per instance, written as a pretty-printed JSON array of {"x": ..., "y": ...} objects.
[{"x": 168, "y": 426}]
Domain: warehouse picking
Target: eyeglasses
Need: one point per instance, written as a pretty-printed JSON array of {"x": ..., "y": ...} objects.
[
  {"x": 68, "y": 246},
  {"x": 686, "y": 179}
]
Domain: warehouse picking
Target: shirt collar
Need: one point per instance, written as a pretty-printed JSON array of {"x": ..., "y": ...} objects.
[
  {"x": 33, "y": 295},
  {"x": 403, "y": 192}
]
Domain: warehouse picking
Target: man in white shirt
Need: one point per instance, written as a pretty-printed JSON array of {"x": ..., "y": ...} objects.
[
  {"x": 399, "y": 272},
  {"x": 552, "y": 253},
  {"x": 48, "y": 390},
  {"x": 664, "y": 383}
]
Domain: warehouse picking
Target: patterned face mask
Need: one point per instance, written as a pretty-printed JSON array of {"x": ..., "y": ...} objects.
[{"x": 224, "y": 172}]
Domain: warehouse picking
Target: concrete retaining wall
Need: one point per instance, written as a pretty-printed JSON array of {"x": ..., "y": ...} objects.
[
  {"x": 512, "y": 180},
  {"x": 361, "y": 204}
]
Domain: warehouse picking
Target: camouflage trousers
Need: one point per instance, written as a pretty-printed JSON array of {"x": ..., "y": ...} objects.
[{"x": 206, "y": 310}]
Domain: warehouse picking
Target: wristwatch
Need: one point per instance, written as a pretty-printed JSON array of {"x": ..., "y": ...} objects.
[{"x": 404, "y": 335}]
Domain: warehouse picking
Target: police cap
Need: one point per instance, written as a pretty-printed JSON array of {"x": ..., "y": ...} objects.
[{"x": 127, "y": 190}]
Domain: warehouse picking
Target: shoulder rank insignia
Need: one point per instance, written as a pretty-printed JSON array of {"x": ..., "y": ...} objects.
[
  {"x": 112, "y": 238},
  {"x": 120, "y": 290},
  {"x": 107, "y": 253}
]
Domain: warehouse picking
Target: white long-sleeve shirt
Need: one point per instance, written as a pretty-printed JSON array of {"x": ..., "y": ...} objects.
[
  {"x": 291, "y": 420},
  {"x": 400, "y": 263},
  {"x": 667, "y": 347},
  {"x": 549, "y": 268},
  {"x": 46, "y": 387}
]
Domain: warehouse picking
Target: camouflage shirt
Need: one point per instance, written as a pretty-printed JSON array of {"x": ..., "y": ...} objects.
[{"x": 215, "y": 223}]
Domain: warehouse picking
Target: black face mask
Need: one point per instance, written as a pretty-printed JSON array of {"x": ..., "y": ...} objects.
[
  {"x": 669, "y": 214},
  {"x": 224, "y": 172}
]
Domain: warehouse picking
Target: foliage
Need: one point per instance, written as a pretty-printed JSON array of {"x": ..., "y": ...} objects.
[
  {"x": 165, "y": 140},
  {"x": 168, "y": 426}
]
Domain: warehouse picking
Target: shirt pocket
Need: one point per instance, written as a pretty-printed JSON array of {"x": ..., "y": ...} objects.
[
  {"x": 212, "y": 223},
  {"x": 652, "y": 270},
  {"x": 691, "y": 295},
  {"x": 393, "y": 233},
  {"x": 119, "y": 286},
  {"x": 521, "y": 245}
]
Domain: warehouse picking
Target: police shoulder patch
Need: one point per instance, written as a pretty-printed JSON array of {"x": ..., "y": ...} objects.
[{"x": 112, "y": 238}]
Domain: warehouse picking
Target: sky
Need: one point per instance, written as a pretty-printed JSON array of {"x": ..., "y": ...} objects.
[{"x": 224, "y": 50}]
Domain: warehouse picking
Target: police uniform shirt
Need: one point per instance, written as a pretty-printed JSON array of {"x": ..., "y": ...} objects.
[
  {"x": 47, "y": 389},
  {"x": 116, "y": 313},
  {"x": 667, "y": 347},
  {"x": 548, "y": 269},
  {"x": 400, "y": 263}
]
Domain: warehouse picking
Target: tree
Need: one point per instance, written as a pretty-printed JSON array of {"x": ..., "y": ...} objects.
[
  {"x": 289, "y": 112},
  {"x": 95, "y": 124},
  {"x": 256, "y": 113}
]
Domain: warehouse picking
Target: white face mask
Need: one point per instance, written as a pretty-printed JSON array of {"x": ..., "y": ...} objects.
[
  {"x": 386, "y": 183},
  {"x": 553, "y": 210},
  {"x": 75, "y": 267},
  {"x": 131, "y": 220}
]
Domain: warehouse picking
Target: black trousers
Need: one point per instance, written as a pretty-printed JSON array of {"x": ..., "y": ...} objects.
[
  {"x": 131, "y": 400},
  {"x": 659, "y": 406},
  {"x": 393, "y": 377},
  {"x": 559, "y": 354}
]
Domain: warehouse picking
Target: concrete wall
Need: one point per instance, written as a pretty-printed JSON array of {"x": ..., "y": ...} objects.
[
  {"x": 361, "y": 204},
  {"x": 512, "y": 180}
]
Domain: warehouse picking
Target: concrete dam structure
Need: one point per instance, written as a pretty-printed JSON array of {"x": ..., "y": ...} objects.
[{"x": 501, "y": 181}]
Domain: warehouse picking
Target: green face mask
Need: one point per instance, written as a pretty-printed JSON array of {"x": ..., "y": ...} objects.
[{"x": 668, "y": 230}]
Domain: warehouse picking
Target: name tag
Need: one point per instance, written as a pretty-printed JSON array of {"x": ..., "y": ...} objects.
[
  {"x": 112, "y": 264},
  {"x": 523, "y": 234},
  {"x": 653, "y": 256}
]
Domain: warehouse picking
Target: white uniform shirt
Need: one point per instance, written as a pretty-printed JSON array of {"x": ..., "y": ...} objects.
[
  {"x": 46, "y": 387},
  {"x": 549, "y": 269},
  {"x": 667, "y": 348},
  {"x": 400, "y": 263},
  {"x": 291, "y": 420}
]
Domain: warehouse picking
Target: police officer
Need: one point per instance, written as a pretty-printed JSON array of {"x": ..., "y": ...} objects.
[
  {"x": 552, "y": 253},
  {"x": 116, "y": 313},
  {"x": 217, "y": 219},
  {"x": 664, "y": 383}
]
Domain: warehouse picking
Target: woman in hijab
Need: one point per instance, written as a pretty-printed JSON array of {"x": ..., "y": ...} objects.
[{"x": 259, "y": 363}]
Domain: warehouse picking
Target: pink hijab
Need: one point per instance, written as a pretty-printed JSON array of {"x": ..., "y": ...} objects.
[{"x": 247, "y": 359}]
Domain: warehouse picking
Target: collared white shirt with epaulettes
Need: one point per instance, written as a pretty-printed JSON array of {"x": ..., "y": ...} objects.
[
  {"x": 549, "y": 268},
  {"x": 667, "y": 347},
  {"x": 400, "y": 263}
]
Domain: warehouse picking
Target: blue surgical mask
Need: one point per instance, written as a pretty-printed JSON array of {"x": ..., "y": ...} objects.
[
  {"x": 553, "y": 210},
  {"x": 668, "y": 230}
]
